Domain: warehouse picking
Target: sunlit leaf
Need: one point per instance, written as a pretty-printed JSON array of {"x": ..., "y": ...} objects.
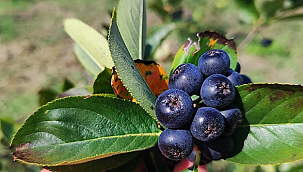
[
  {"x": 91, "y": 66},
  {"x": 91, "y": 47},
  {"x": 272, "y": 130},
  {"x": 128, "y": 72},
  {"x": 131, "y": 20},
  {"x": 75, "y": 130}
]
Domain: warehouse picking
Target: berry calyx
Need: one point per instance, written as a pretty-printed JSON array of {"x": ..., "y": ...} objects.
[
  {"x": 174, "y": 108},
  {"x": 217, "y": 91}
]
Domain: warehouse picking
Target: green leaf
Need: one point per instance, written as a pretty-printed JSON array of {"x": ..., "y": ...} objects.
[
  {"x": 81, "y": 91},
  {"x": 91, "y": 47},
  {"x": 268, "y": 8},
  {"x": 298, "y": 16},
  {"x": 296, "y": 3},
  {"x": 100, "y": 164},
  {"x": 156, "y": 38},
  {"x": 75, "y": 130},
  {"x": 67, "y": 85},
  {"x": 190, "y": 51},
  {"x": 272, "y": 132},
  {"x": 247, "y": 10},
  {"x": 131, "y": 20},
  {"x": 8, "y": 127},
  {"x": 87, "y": 62},
  {"x": 46, "y": 95},
  {"x": 102, "y": 83},
  {"x": 128, "y": 71}
]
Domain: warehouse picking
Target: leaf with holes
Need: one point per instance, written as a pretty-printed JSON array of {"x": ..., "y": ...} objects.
[
  {"x": 272, "y": 132},
  {"x": 75, "y": 130}
]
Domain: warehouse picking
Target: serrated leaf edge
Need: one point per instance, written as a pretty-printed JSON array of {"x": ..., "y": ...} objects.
[
  {"x": 113, "y": 18},
  {"x": 88, "y": 158}
]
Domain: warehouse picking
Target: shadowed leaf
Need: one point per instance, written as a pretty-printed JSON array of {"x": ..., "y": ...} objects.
[
  {"x": 101, "y": 164},
  {"x": 102, "y": 82}
]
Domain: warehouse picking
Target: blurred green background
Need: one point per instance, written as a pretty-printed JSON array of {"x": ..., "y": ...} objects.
[{"x": 36, "y": 53}]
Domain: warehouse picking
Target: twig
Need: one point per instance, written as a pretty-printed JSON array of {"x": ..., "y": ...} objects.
[{"x": 249, "y": 37}]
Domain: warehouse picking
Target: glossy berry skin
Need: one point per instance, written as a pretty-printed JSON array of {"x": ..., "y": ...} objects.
[
  {"x": 174, "y": 108},
  {"x": 214, "y": 61},
  {"x": 220, "y": 148},
  {"x": 234, "y": 77},
  {"x": 176, "y": 144},
  {"x": 208, "y": 124},
  {"x": 246, "y": 79},
  {"x": 238, "y": 67},
  {"x": 186, "y": 77},
  {"x": 217, "y": 91},
  {"x": 233, "y": 118}
]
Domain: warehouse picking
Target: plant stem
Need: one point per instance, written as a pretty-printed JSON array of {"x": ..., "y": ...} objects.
[{"x": 248, "y": 38}]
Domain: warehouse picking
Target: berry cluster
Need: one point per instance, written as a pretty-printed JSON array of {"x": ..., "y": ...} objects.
[{"x": 207, "y": 124}]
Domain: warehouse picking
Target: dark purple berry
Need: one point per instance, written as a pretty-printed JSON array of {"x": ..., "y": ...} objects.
[
  {"x": 214, "y": 61},
  {"x": 234, "y": 77},
  {"x": 186, "y": 77},
  {"x": 233, "y": 118},
  {"x": 266, "y": 42},
  {"x": 208, "y": 124},
  {"x": 246, "y": 79},
  {"x": 217, "y": 91},
  {"x": 238, "y": 67},
  {"x": 176, "y": 144},
  {"x": 220, "y": 148},
  {"x": 174, "y": 108}
]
